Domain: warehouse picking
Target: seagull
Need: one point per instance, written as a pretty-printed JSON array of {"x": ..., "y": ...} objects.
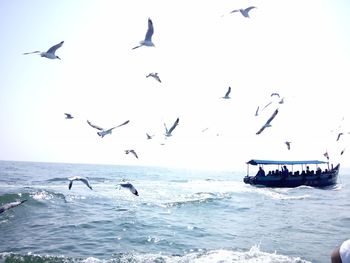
[
  {"x": 267, "y": 124},
  {"x": 50, "y": 53},
  {"x": 244, "y": 12},
  {"x": 148, "y": 38},
  {"x": 155, "y": 76},
  {"x": 168, "y": 132},
  {"x": 69, "y": 116},
  {"x": 131, "y": 151},
  {"x": 130, "y": 187},
  {"x": 78, "y": 178},
  {"x": 227, "y": 95},
  {"x": 149, "y": 137},
  {"x": 8, "y": 206},
  {"x": 102, "y": 132},
  {"x": 288, "y": 144}
]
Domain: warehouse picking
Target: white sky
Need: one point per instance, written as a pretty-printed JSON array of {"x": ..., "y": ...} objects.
[{"x": 299, "y": 49}]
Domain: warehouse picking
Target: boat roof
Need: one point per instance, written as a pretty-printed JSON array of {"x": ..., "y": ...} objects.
[{"x": 270, "y": 162}]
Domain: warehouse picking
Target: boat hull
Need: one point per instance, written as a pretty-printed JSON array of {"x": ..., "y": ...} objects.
[{"x": 321, "y": 180}]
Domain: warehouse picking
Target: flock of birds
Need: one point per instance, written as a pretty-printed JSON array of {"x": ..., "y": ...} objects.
[{"x": 147, "y": 42}]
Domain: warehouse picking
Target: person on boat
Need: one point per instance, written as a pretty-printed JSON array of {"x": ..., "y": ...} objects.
[
  {"x": 341, "y": 254},
  {"x": 308, "y": 170},
  {"x": 261, "y": 172},
  {"x": 285, "y": 171}
]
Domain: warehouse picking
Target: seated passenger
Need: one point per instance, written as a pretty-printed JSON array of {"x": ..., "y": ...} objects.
[
  {"x": 285, "y": 171},
  {"x": 261, "y": 172}
]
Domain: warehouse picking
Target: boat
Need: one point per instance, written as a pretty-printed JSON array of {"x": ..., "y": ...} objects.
[{"x": 281, "y": 176}]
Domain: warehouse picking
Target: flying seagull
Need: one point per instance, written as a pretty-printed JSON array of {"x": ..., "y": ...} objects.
[
  {"x": 148, "y": 38},
  {"x": 155, "y": 76},
  {"x": 244, "y": 12},
  {"x": 340, "y": 134},
  {"x": 288, "y": 144},
  {"x": 267, "y": 124},
  {"x": 78, "y": 178},
  {"x": 130, "y": 187},
  {"x": 227, "y": 95},
  {"x": 50, "y": 53},
  {"x": 168, "y": 132},
  {"x": 131, "y": 151},
  {"x": 102, "y": 132},
  {"x": 8, "y": 206},
  {"x": 149, "y": 137},
  {"x": 69, "y": 116}
]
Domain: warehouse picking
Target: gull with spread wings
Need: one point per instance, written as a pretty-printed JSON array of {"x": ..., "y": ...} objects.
[
  {"x": 268, "y": 123},
  {"x": 244, "y": 12},
  {"x": 168, "y": 132},
  {"x": 8, "y": 206},
  {"x": 148, "y": 38},
  {"x": 79, "y": 178},
  {"x": 102, "y": 132},
  {"x": 130, "y": 187},
  {"x": 50, "y": 53}
]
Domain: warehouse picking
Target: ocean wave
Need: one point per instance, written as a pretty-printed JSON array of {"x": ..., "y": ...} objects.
[
  {"x": 201, "y": 256},
  {"x": 197, "y": 198}
]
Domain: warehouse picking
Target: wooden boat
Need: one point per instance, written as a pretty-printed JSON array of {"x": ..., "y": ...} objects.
[{"x": 285, "y": 174}]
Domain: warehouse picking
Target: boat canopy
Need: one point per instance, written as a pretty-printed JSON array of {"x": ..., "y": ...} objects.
[{"x": 270, "y": 162}]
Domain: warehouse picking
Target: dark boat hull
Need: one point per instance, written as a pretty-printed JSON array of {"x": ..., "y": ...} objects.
[{"x": 321, "y": 180}]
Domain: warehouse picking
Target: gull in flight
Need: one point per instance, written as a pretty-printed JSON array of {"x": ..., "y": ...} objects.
[
  {"x": 130, "y": 187},
  {"x": 227, "y": 95},
  {"x": 288, "y": 144},
  {"x": 131, "y": 151},
  {"x": 78, "y": 178},
  {"x": 244, "y": 12},
  {"x": 50, "y": 53},
  {"x": 148, "y": 38},
  {"x": 149, "y": 137},
  {"x": 102, "y": 132},
  {"x": 340, "y": 134},
  {"x": 69, "y": 116},
  {"x": 168, "y": 132},
  {"x": 8, "y": 206},
  {"x": 155, "y": 76},
  {"x": 268, "y": 123}
]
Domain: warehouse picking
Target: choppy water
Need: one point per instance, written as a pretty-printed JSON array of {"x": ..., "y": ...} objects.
[{"x": 180, "y": 216}]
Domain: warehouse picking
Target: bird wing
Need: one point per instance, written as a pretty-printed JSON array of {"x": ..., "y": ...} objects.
[
  {"x": 228, "y": 92},
  {"x": 268, "y": 122},
  {"x": 150, "y": 30},
  {"x": 275, "y": 94},
  {"x": 68, "y": 115},
  {"x": 272, "y": 117},
  {"x": 94, "y": 126},
  {"x": 249, "y": 8},
  {"x": 268, "y": 104},
  {"x": 174, "y": 125},
  {"x": 86, "y": 181},
  {"x": 70, "y": 184},
  {"x": 234, "y": 11},
  {"x": 33, "y": 52},
  {"x": 134, "y": 153},
  {"x": 257, "y": 111},
  {"x": 124, "y": 123},
  {"x": 339, "y": 136},
  {"x": 55, "y": 47}
]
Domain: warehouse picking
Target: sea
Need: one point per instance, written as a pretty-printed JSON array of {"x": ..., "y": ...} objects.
[{"x": 180, "y": 215}]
